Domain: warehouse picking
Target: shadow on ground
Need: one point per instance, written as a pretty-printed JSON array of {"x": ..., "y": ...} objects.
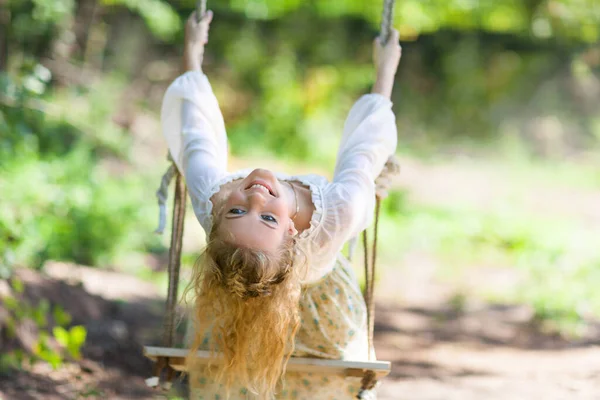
[{"x": 113, "y": 365}]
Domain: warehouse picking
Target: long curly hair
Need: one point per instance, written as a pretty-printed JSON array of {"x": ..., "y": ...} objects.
[{"x": 246, "y": 309}]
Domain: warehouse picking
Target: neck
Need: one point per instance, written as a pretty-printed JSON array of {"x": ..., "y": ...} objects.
[{"x": 293, "y": 200}]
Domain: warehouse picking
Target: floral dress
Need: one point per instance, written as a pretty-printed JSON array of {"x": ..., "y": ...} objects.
[{"x": 332, "y": 309}]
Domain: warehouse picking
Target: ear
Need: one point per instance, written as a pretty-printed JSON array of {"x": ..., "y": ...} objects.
[{"x": 292, "y": 228}]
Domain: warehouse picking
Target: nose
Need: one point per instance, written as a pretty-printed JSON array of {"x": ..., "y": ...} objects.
[{"x": 256, "y": 199}]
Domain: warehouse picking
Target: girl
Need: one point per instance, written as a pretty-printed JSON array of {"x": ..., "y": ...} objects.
[{"x": 271, "y": 281}]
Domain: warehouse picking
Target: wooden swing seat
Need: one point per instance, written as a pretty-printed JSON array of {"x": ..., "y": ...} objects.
[{"x": 176, "y": 360}]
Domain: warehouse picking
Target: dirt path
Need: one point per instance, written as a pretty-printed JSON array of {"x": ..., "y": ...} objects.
[
  {"x": 483, "y": 352},
  {"x": 489, "y": 353},
  {"x": 448, "y": 372}
]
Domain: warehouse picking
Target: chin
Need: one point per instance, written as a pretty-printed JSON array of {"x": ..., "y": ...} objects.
[
  {"x": 262, "y": 173},
  {"x": 263, "y": 176}
]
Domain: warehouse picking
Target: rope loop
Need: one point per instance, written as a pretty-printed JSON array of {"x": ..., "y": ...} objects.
[
  {"x": 368, "y": 383},
  {"x": 162, "y": 194},
  {"x": 386, "y": 21}
]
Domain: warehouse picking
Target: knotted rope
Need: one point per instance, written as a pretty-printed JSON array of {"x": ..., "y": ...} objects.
[
  {"x": 162, "y": 193},
  {"x": 175, "y": 248},
  {"x": 382, "y": 184}
]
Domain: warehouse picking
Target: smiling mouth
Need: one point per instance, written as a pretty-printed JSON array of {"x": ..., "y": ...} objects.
[{"x": 261, "y": 186}]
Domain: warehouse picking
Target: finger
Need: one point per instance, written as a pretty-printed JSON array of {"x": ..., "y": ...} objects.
[
  {"x": 395, "y": 36},
  {"x": 207, "y": 18},
  {"x": 192, "y": 18},
  {"x": 191, "y": 21}
]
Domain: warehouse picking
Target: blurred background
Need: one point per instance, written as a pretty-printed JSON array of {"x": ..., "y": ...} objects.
[{"x": 490, "y": 240}]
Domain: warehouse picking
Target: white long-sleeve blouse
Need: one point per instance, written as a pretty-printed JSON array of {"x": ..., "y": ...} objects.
[{"x": 193, "y": 126}]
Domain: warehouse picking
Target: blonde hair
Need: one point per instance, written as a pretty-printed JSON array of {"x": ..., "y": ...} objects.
[{"x": 246, "y": 306}]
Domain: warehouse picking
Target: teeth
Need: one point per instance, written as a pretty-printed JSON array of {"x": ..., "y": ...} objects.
[{"x": 256, "y": 185}]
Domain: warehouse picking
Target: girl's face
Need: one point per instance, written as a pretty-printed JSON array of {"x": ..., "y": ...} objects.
[{"x": 257, "y": 212}]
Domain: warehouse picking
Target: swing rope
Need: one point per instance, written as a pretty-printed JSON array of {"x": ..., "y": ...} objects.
[
  {"x": 200, "y": 9},
  {"x": 369, "y": 379},
  {"x": 179, "y": 205},
  {"x": 387, "y": 17}
]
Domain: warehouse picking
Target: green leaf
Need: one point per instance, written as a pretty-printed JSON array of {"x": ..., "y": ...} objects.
[
  {"x": 10, "y": 303},
  {"x": 19, "y": 355},
  {"x": 39, "y": 316},
  {"x": 75, "y": 338},
  {"x": 61, "y": 317},
  {"x": 17, "y": 285},
  {"x": 51, "y": 357},
  {"x": 61, "y": 335},
  {"x": 38, "y": 348},
  {"x": 77, "y": 335},
  {"x": 8, "y": 361},
  {"x": 11, "y": 327},
  {"x": 44, "y": 306}
]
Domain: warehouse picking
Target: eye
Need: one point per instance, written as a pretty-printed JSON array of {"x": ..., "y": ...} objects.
[
  {"x": 237, "y": 211},
  {"x": 268, "y": 218}
]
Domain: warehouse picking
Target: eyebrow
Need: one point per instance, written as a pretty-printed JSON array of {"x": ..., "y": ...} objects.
[{"x": 240, "y": 216}]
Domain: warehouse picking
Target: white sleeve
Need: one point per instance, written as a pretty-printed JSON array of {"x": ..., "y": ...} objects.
[
  {"x": 193, "y": 126},
  {"x": 370, "y": 137}
]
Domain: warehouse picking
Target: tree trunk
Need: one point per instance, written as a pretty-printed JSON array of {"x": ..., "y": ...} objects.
[{"x": 4, "y": 32}]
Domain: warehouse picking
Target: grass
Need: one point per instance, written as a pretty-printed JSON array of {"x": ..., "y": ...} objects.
[{"x": 553, "y": 258}]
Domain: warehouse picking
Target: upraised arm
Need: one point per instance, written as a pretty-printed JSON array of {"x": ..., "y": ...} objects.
[
  {"x": 193, "y": 124},
  {"x": 368, "y": 141},
  {"x": 196, "y": 37},
  {"x": 386, "y": 58}
]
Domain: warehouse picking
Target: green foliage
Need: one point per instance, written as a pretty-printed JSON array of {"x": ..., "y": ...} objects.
[
  {"x": 544, "y": 19},
  {"x": 286, "y": 91},
  {"x": 52, "y": 11},
  {"x": 70, "y": 208},
  {"x": 555, "y": 259},
  {"x": 286, "y": 73},
  {"x": 47, "y": 353},
  {"x": 25, "y": 128},
  {"x": 20, "y": 310},
  {"x": 72, "y": 339},
  {"x": 35, "y": 23},
  {"x": 159, "y": 15},
  {"x": 60, "y": 316}
]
